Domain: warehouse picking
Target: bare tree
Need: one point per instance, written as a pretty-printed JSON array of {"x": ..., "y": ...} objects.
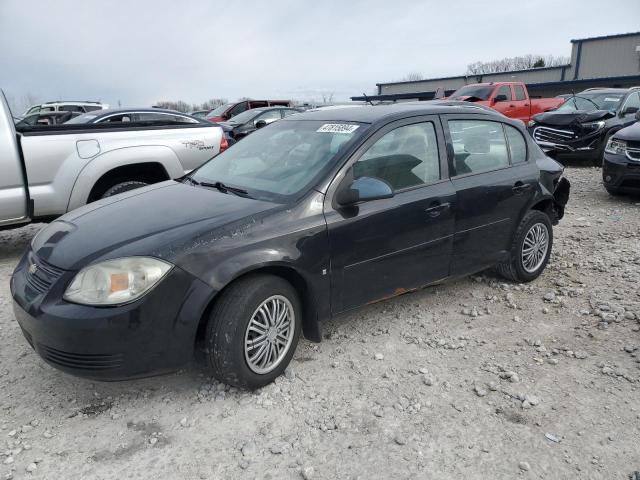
[
  {"x": 412, "y": 77},
  {"x": 327, "y": 97},
  {"x": 508, "y": 64},
  {"x": 182, "y": 106}
]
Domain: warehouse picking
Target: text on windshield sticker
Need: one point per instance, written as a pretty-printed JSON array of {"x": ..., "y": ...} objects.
[{"x": 337, "y": 128}]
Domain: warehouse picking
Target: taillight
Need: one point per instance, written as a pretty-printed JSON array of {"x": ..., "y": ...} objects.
[{"x": 223, "y": 143}]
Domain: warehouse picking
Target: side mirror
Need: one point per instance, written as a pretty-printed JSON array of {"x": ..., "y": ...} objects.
[
  {"x": 630, "y": 110},
  {"x": 260, "y": 124},
  {"x": 364, "y": 189},
  {"x": 500, "y": 98}
]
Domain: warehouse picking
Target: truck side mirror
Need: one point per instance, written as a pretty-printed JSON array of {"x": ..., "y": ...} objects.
[{"x": 500, "y": 98}]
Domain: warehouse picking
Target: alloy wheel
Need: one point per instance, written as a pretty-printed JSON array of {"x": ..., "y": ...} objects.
[
  {"x": 269, "y": 334},
  {"x": 534, "y": 249}
]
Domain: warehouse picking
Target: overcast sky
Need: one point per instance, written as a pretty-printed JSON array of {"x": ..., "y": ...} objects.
[{"x": 141, "y": 51}]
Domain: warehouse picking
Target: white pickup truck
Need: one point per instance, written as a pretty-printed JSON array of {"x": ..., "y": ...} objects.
[{"x": 48, "y": 171}]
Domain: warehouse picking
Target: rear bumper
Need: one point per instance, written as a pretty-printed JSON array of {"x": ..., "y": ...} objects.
[
  {"x": 620, "y": 173},
  {"x": 153, "y": 335}
]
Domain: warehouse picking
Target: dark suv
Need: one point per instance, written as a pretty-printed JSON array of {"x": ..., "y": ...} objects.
[
  {"x": 621, "y": 166},
  {"x": 311, "y": 216},
  {"x": 580, "y": 128}
]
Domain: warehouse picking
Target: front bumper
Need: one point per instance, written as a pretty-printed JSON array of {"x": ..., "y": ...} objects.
[
  {"x": 587, "y": 147},
  {"x": 152, "y": 335},
  {"x": 620, "y": 173}
]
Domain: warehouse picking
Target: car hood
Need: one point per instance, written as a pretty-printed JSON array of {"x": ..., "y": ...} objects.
[
  {"x": 567, "y": 118},
  {"x": 160, "y": 220},
  {"x": 630, "y": 133}
]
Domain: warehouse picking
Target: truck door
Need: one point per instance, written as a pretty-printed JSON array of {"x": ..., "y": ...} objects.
[{"x": 14, "y": 195}]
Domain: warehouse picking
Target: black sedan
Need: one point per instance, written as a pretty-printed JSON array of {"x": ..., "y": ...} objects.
[
  {"x": 250, "y": 120},
  {"x": 307, "y": 218}
]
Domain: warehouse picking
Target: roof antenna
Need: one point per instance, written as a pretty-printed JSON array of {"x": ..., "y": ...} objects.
[{"x": 367, "y": 99}]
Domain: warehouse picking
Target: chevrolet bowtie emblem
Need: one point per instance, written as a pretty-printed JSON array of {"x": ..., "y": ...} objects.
[{"x": 32, "y": 268}]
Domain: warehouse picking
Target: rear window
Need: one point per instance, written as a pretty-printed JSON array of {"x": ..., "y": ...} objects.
[{"x": 481, "y": 92}]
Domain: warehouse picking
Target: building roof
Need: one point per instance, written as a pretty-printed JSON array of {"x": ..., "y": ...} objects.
[{"x": 605, "y": 37}]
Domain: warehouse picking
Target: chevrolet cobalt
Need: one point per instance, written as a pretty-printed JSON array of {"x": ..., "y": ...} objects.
[{"x": 307, "y": 218}]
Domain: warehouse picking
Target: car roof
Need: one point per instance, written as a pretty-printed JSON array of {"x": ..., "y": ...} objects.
[
  {"x": 374, "y": 113},
  {"x": 78, "y": 102},
  {"x": 606, "y": 90}
]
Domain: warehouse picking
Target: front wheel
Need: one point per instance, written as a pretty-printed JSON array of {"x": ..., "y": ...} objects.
[
  {"x": 253, "y": 331},
  {"x": 123, "y": 187},
  {"x": 613, "y": 191},
  {"x": 530, "y": 249}
]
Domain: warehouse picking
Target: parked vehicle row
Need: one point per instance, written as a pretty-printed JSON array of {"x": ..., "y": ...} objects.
[
  {"x": 70, "y": 165},
  {"x": 230, "y": 110},
  {"x": 267, "y": 240},
  {"x": 250, "y": 120}
]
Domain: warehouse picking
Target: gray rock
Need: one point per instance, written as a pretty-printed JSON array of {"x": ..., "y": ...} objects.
[
  {"x": 524, "y": 466},
  {"x": 308, "y": 473},
  {"x": 480, "y": 391}
]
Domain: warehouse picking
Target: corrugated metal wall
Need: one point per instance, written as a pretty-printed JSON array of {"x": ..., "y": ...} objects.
[{"x": 613, "y": 57}]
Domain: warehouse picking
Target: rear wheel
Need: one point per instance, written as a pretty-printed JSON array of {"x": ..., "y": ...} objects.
[
  {"x": 530, "y": 249},
  {"x": 123, "y": 187},
  {"x": 253, "y": 331}
]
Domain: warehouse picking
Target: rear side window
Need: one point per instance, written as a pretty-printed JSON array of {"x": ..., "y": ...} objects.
[
  {"x": 517, "y": 145},
  {"x": 92, "y": 108},
  {"x": 404, "y": 157},
  {"x": 520, "y": 92},
  {"x": 70, "y": 108},
  {"x": 478, "y": 146}
]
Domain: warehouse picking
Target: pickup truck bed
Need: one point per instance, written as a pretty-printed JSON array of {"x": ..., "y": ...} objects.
[{"x": 48, "y": 171}]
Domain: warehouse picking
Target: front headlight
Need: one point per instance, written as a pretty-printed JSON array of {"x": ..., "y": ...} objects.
[
  {"x": 616, "y": 146},
  {"x": 114, "y": 282},
  {"x": 593, "y": 126}
]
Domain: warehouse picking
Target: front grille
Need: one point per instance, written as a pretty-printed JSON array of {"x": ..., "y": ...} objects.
[
  {"x": 40, "y": 274},
  {"x": 552, "y": 135},
  {"x": 81, "y": 361},
  {"x": 631, "y": 183},
  {"x": 633, "y": 153}
]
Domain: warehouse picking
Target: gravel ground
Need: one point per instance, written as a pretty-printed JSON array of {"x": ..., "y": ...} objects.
[{"x": 477, "y": 378}]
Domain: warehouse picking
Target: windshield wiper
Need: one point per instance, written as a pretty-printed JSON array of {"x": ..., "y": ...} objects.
[{"x": 220, "y": 186}]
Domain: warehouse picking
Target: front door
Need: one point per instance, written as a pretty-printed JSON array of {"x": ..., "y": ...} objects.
[
  {"x": 14, "y": 199},
  {"x": 494, "y": 183},
  {"x": 505, "y": 106},
  {"x": 386, "y": 247}
]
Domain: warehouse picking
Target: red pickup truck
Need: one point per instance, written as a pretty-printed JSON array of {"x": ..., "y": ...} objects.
[{"x": 509, "y": 98}]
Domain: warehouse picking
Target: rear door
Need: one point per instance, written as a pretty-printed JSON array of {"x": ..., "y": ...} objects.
[
  {"x": 522, "y": 107},
  {"x": 386, "y": 247},
  {"x": 14, "y": 194},
  {"x": 494, "y": 183}
]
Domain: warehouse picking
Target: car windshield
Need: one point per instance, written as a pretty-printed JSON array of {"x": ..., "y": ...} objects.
[
  {"x": 85, "y": 118},
  {"x": 589, "y": 102},
  {"x": 282, "y": 160},
  {"x": 477, "y": 91},
  {"x": 246, "y": 116},
  {"x": 216, "y": 112}
]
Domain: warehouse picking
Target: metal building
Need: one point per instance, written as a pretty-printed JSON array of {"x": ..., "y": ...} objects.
[{"x": 608, "y": 61}]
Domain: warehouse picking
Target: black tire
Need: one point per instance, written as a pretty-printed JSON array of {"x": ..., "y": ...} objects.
[
  {"x": 514, "y": 269},
  {"x": 228, "y": 324},
  {"x": 123, "y": 187},
  {"x": 613, "y": 191}
]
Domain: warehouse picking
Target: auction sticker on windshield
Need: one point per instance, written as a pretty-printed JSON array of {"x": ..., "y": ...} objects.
[{"x": 337, "y": 128}]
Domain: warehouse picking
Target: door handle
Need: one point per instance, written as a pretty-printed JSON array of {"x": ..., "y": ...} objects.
[
  {"x": 520, "y": 187},
  {"x": 511, "y": 105},
  {"x": 437, "y": 209}
]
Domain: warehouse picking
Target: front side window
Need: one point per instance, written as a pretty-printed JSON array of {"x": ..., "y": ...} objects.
[
  {"x": 239, "y": 108},
  {"x": 405, "y": 157},
  {"x": 280, "y": 161},
  {"x": 92, "y": 108},
  {"x": 633, "y": 101},
  {"x": 504, "y": 90},
  {"x": 520, "y": 95},
  {"x": 478, "y": 146},
  {"x": 517, "y": 145},
  {"x": 70, "y": 108},
  {"x": 270, "y": 116}
]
